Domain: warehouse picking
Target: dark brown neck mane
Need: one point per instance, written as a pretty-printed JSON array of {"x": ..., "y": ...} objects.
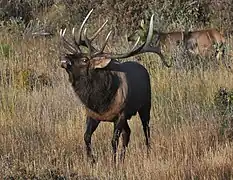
[{"x": 97, "y": 89}]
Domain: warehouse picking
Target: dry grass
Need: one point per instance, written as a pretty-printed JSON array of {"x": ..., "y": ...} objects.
[{"x": 41, "y": 131}]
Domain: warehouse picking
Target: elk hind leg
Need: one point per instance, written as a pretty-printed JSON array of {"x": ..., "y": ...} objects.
[
  {"x": 144, "y": 114},
  {"x": 125, "y": 139}
]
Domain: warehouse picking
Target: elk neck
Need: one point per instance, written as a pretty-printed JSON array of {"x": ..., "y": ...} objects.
[{"x": 97, "y": 89}]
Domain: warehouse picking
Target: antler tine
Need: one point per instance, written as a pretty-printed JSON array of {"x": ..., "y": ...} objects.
[
  {"x": 136, "y": 43},
  {"x": 81, "y": 27},
  {"x": 105, "y": 43},
  {"x": 98, "y": 31},
  {"x": 75, "y": 42},
  {"x": 150, "y": 32},
  {"x": 62, "y": 32},
  {"x": 87, "y": 41},
  {"x": 66, "y": 43}
]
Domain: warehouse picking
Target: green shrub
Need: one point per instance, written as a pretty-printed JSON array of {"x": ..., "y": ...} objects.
[
  {"x": 29, "y": 79},
  {"x": 123, "y": 15},
  {"x": 224, "y": 102},
  {"x": 5, "y": 50},
  {"x": 224, "y": 106},
  {"x": 15, "y": 9},
  {"x": 43, "y": 80},
  {"x": 23, "y": 9}
]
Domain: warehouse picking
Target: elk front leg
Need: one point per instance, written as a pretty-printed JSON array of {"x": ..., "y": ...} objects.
[
  {"x": 118, "y": 125},
  {"x": 91, "y": 125}
]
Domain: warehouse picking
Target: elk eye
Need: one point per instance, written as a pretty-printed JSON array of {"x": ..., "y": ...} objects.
[{"x": 84, "y": 60}]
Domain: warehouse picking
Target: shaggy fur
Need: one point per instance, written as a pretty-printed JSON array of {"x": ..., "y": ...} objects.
[{"x": 97, "y": 90}]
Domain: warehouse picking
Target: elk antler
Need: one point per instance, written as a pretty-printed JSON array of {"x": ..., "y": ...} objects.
[
  {"x": 66, "y": 43},
  {"x": 145, "y": 47},
  {"x": 87, "y": 41},
  {"x": 101, "y": 51},
  {"x": 79, "y": 42}
]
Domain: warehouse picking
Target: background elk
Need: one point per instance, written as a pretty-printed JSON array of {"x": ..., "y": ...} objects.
[
  {"x": 111, "y": 91},
  {"x": 203, "y": 42}
]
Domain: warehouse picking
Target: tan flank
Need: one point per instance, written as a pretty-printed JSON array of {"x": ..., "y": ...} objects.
[{"x": 206, "y": 41}]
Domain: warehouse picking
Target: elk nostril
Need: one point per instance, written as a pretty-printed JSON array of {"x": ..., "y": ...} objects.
[
  {"x": 63, "y": 66},
  {"x": 65, "y": 63}
]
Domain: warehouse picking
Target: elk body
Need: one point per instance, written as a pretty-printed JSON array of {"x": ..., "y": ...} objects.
[
  {"x": 111, "y": 91},
  {"x": 203, "y": 42}
]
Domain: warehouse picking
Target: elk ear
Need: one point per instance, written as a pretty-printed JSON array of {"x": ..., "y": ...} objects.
[{"x": 101, "y": 62}]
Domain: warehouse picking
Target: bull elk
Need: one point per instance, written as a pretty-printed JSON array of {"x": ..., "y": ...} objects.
[
  {"x": 110, "y": 91},
  {"x": 202, "y": 42}
]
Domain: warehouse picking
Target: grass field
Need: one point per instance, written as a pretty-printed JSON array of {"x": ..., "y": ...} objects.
[{"x": 41, "y": 129}]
